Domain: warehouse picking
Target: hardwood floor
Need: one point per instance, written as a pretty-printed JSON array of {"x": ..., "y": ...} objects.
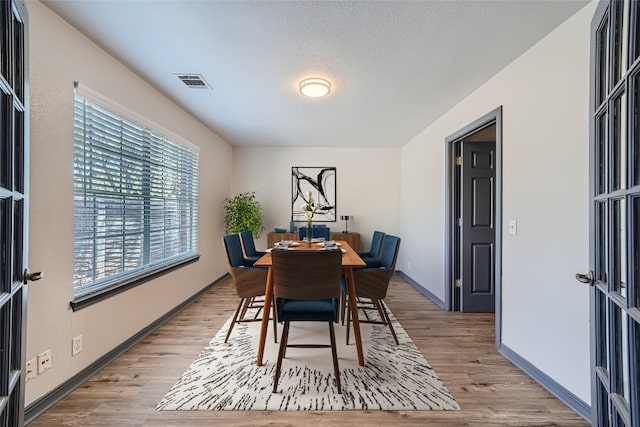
[{"x": 460, "y": 347}]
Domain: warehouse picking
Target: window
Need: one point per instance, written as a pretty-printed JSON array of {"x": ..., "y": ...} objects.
[{"x": 135, "y": 201}]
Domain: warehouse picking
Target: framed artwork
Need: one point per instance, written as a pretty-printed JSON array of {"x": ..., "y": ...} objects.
[{"x": 321, "y": 181}]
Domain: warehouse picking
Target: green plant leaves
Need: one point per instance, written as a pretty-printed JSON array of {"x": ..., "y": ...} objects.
[{"x": 243, "y": 212}]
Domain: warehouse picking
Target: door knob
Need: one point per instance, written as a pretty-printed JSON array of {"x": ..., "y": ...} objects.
[
  {"x": 586, "y": 278},
  {"x": 29, "y": 276}
]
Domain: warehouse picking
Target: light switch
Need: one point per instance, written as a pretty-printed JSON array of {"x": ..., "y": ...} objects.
[{"x": 513, "y": 227}]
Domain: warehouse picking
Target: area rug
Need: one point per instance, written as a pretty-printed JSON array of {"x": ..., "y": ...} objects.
[{"x": 225, "y": 376}]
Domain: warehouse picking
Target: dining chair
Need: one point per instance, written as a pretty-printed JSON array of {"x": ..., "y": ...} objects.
[
  {"x": 250, "y": 283},
  {"x": 249, "y": 246},
  {"x": 372, "y": 283},
  {"x": 373, "y": 255},
  {"x": 306, "y": 286},
  {"x": 316, "y": 232}
]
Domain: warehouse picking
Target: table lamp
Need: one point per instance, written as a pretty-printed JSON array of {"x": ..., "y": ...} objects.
[{"x": 346, "y": 219}]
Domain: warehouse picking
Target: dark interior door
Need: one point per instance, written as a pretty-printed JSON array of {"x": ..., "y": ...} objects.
[
  {"x": 13, "y": 211},
  {"x": 478, "y": 227}
]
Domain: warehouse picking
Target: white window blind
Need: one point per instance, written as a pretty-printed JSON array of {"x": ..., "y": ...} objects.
[{"x": 135, "y": 200}]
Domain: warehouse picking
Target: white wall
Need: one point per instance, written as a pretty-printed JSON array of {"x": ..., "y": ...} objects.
[
  {"x": 59, "y": 55},
  {"x": 367, "y": 182},
  {"x": 544, "y": 94}
]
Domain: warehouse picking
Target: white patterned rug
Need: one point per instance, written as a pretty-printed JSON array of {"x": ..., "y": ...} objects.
[{"x": 225, "y": 376}]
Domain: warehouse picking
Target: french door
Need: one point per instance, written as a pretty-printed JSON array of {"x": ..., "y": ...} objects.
[
  {"x": 13, "y": 211},
  {"x": 615, "y": 214}
]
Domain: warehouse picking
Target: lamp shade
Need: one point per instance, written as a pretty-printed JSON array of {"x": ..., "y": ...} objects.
[{"x": 346, "y": 219}]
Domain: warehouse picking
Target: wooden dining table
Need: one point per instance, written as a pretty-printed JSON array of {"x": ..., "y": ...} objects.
[{"x": 350, "y": 260}]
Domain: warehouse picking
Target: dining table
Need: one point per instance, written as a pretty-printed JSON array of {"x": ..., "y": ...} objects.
[{"x": 350, "y": 260}]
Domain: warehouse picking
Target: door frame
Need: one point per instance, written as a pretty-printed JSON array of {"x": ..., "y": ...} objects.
[{"x": 494, "y": 116}]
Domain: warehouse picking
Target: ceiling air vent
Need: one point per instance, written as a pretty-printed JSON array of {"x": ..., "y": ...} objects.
[{"x": 194, "y": 81}]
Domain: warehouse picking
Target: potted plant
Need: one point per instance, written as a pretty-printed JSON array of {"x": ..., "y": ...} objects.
[{"x": 243, "y": 212}]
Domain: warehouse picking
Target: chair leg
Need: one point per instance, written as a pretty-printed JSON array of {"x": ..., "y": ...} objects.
[
  {"x": 348, "y": 322},
  {"x": 233, "y": 321},
  {"x": 245, "y": 307},
  {"x": 334, "y": 352},
  {"x": 388, "y": 320},
  {"x": 343, "y": 306},
  {"x": 275, "y": 322},
  {"x": 365, "y": 304},
  {"x": 283, "y": 347}
]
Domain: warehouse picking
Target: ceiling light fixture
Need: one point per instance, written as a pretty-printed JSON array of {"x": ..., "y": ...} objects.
[{"x": 315, "y": 87}]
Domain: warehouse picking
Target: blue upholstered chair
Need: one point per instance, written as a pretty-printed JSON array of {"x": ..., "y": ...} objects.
[
  {"x": 316, "y": 232},
  {"x": 373, "y": 256},
  {"x": 372, "y": 283},
  {"x": 249, "y": 246},
  {"x": 250, "y": 283},
  {"x": 306, "y": 286}
]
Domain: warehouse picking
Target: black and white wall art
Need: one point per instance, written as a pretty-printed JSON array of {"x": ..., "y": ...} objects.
[{"x": 321, "y": 181}]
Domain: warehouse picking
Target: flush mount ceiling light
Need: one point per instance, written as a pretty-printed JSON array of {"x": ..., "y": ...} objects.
[{"x": 315, "y": 87}]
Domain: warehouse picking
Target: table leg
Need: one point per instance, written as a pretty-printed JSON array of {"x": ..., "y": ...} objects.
[
  {"x": 354, "y": 313},
  {"x": 268, "y": 296}
]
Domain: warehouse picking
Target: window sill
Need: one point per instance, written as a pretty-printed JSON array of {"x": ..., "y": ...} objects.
[{"x": 89, "y": 299}]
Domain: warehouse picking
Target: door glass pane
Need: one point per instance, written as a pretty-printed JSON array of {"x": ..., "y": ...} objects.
[
  {"x": 619, "y": 143},
  {"x": 5, "y": 252},
  {"x": 5, "y": 345},
  {"x": 602, "y": 265},
  {"x": 635, "y": 37},
  {"x": 16, "y": 342},
  {"x": 18, "y": 243},
  {"x": 635, "y": 149},
  {"x": 5, "y": 22},
  {"x": 602, "y": 326},
  {"x": 18, "y": 63},
  {"x": 620, "y": 353},
  {"x": 635, "y": 244},
  {"x": 6, "y": 127},
  {"x": 602, "y": 153},
  {"x": 602, "y": 46},
  {"x": 636, "y": 356},
  {"x": 18, "y": 151},
  {"x": 619, "y": 42},
  {"x": 619, "y": 247}
]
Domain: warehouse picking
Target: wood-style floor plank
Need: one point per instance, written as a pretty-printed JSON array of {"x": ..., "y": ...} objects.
[{"x": 459, "y": 346}]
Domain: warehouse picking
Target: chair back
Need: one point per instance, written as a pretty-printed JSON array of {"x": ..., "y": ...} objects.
[
  {"x": 248, "y": 243},
  {"x": 389, "y": 255},
  {"x": 249, "y": 281},
  {"x": 233, "y": 248},
  {"x": 306, "y": 275},
  {"x": 316, "y": 232},
  {"x": 376, "y": 244},
  {"x": 374, "y": 282}
]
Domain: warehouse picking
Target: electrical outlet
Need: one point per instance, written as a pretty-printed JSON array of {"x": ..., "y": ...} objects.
[
  {"x": 32, "y": 368},
  {"x": 76, "y": 345},
  {"x": 408, "y": 265},
  {"x": 44, "y": 361}
]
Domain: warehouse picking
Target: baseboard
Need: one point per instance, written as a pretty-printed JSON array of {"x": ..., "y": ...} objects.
[
  {"x": 422, "y": 290},
  {"x": 36, "y": 408},
  {"x": 568, "y": 398}
]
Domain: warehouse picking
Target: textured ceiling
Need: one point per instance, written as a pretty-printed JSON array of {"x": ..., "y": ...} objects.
[{"x": 395, "y": 66}]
